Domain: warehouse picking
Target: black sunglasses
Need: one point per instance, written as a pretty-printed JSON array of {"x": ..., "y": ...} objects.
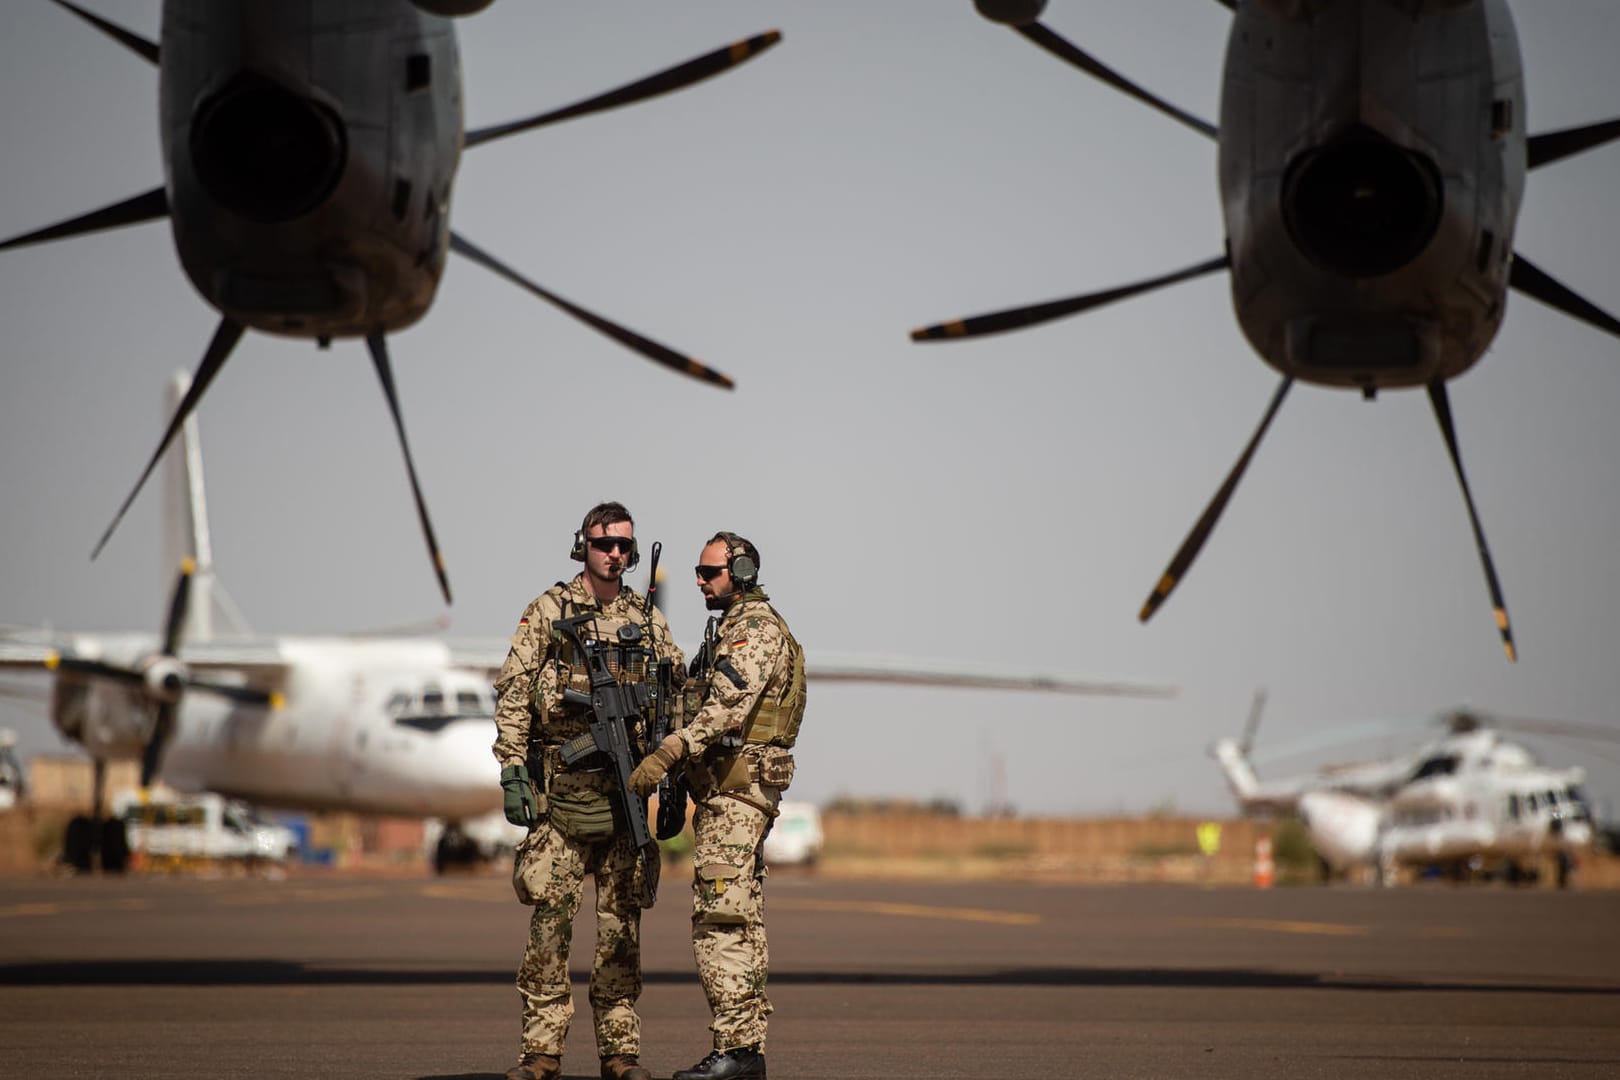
[
  {"x": 604, "y": 544},
  {"x": 707, "y": 573}
]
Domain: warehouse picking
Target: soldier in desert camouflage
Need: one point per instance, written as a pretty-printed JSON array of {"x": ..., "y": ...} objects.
[
  {"x": 745, "y": 703},
  {"x": 573, "y": 829}
]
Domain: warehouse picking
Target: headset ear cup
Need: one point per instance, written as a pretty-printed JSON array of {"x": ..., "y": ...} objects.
[
  {"x": 744, "y": 572},
  {"x": 578, "y": 551},
  {"x": 635, "y": 555}
]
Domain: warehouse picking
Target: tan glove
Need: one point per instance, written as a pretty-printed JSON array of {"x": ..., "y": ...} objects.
[{"x": 655, "y": 765}]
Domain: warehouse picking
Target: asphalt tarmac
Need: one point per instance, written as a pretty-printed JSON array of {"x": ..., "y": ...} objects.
[{"x": 412, "y": 978}]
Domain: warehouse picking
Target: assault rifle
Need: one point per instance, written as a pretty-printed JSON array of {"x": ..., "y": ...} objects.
[
  {"x": 672, "y": 788},
  {"x": 616, "y": 709}
]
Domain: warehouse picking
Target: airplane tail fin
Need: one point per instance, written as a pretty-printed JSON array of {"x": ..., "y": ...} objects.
[
  {"x": 1239, "y": 773},
  {"x": 185, "y": 526}
]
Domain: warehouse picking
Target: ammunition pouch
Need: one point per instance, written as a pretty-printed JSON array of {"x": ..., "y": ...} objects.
[
  {"x": 583, "y": 815},
  {"x": 721, "y": 895},
  {"x": 775, "y": 768}
]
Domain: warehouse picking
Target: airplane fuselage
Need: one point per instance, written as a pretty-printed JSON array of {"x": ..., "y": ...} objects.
[
  {"x": 384, "y": 726},
  {"x": 309, "y": 152},
  {"x": 1372, "y": 162}
]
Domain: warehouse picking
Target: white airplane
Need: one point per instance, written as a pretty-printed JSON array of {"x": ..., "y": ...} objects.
[
  {"x": 381, "y": 725},
  {"x": 309, "y": 153},
  {"x": 1467, "y": 801},
  {"x": 1372, "y": 159}
]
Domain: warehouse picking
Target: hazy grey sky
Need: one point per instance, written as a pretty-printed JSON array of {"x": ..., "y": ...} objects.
[{"x": 1008, "y": 501}]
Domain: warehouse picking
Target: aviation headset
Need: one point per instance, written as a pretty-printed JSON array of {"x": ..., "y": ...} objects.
[
  {"x": 743, "y": 566},
  {"x": 577, "y": 552}
]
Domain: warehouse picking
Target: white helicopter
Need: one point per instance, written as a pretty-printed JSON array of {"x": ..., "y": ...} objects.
[
  {"x": 385, "y": 724},
  {"x": 309, "y": 153},
  {"x": 1372, "y": 159},
  {"x": 1468, "y": 802}
]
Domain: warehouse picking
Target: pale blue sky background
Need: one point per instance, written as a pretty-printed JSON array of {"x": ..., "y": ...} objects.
[{"x": 1009, "y": 501}]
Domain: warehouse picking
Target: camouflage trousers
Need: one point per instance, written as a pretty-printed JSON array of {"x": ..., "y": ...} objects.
[
  {"x": 728, "y": 914},
  {"x": 549, "y": 873}
]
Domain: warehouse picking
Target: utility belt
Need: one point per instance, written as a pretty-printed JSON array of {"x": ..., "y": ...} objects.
[{"x": 720, "y": 769}]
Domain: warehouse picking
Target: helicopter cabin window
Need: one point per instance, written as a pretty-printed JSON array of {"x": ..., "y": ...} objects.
[
  {"x": 1513, "y": 807},
  {"x": 1436, "y": 766},
  {"x": 1530, "y": 803},
  {"x": 1552, "y": 799},
  {"x": 418, "y": 72}
]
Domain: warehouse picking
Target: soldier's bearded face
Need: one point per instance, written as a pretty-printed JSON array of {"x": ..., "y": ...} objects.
[
  {"x": 716, "y": 590},
  {"x": 608, "y": 565}
]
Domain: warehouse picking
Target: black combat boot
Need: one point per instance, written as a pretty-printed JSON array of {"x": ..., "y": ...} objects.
[
  {"x": 536, "y": 1067},
  {"x": 743, "y": 1063},
  {"x": 623, "y": 1067}
]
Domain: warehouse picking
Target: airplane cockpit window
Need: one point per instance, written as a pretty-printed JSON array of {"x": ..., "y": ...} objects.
[
  {"x": 399, "y": 702},
  {"x": 1443, "y": 765},
  {"x": 434, "y": 712}
]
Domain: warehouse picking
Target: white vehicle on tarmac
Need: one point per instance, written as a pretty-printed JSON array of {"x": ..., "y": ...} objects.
[
  {"x": 204, "y": 827},
  {"x": 795, "y": 838}
]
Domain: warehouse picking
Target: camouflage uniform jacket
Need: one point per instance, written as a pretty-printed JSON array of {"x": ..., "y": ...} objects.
[
  {"x": 530, "y": 712},
  {"x": 752, "y": 659}
]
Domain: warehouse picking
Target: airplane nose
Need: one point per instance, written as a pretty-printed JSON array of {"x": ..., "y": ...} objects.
[{"x": 264, "y": 152}]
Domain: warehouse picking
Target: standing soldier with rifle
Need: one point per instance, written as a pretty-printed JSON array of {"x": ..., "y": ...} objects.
[
  {"x": 737, "y": 751},
  {"x": 576, "y": 697}
]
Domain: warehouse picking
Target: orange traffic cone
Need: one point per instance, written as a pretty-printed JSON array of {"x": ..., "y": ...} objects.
[{"x": 1264, "y": 871}]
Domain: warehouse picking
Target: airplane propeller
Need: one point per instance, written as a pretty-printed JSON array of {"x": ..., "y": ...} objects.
[
  {"x": 652, "y": 350},
  {"x": 1070, "y": 53},
  {"x": 163, "y": 676},
  {"x": 154, "y": 204},
  {"x": 1035, "y": 314},
  {"x": 676, "y": 78},
  {"x": 1442, "y": 412},
  {"x": 1194, "y": 543}
]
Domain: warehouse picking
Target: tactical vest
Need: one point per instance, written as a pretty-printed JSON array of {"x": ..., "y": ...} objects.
[
  {"x": 775, "y": 720},
  {"x": 627, "y": 663}
]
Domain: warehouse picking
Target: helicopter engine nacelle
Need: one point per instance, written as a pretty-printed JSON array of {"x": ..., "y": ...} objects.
[
  {"x": 1011, "y": 12},
  {"x": 1344, "y": 829},
  {"x": 453, "y": 8}
]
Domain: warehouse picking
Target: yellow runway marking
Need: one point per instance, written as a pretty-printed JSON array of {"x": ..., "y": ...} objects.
[
  {"x": 911, "y": 911},
  {"x": 1283, "y": 926},
  {"x": 62, "y": 907},
  {"x": 353, "y": 892},
  {"x": 466, "y": 892}
]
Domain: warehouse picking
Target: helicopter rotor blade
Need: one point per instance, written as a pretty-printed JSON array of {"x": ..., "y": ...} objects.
[
  {"x": 1442, "y": 412},
  {"x": 658, "y": 354},
  {"x": 1035, "y": 314},
  {"x": 1212, "y": 513},
  {"x": 663, "y": 82},
  {"x": 1069, "y": 53},
  {"x": 147, "y": 206},
  {"x": 225, "y": 338},
  {"x": 385, "y": 373}
]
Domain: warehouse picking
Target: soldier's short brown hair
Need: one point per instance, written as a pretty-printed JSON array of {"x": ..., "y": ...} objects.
[
  {"x": 605, "y": 514},
  {"x": 735, "y": 545}
]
